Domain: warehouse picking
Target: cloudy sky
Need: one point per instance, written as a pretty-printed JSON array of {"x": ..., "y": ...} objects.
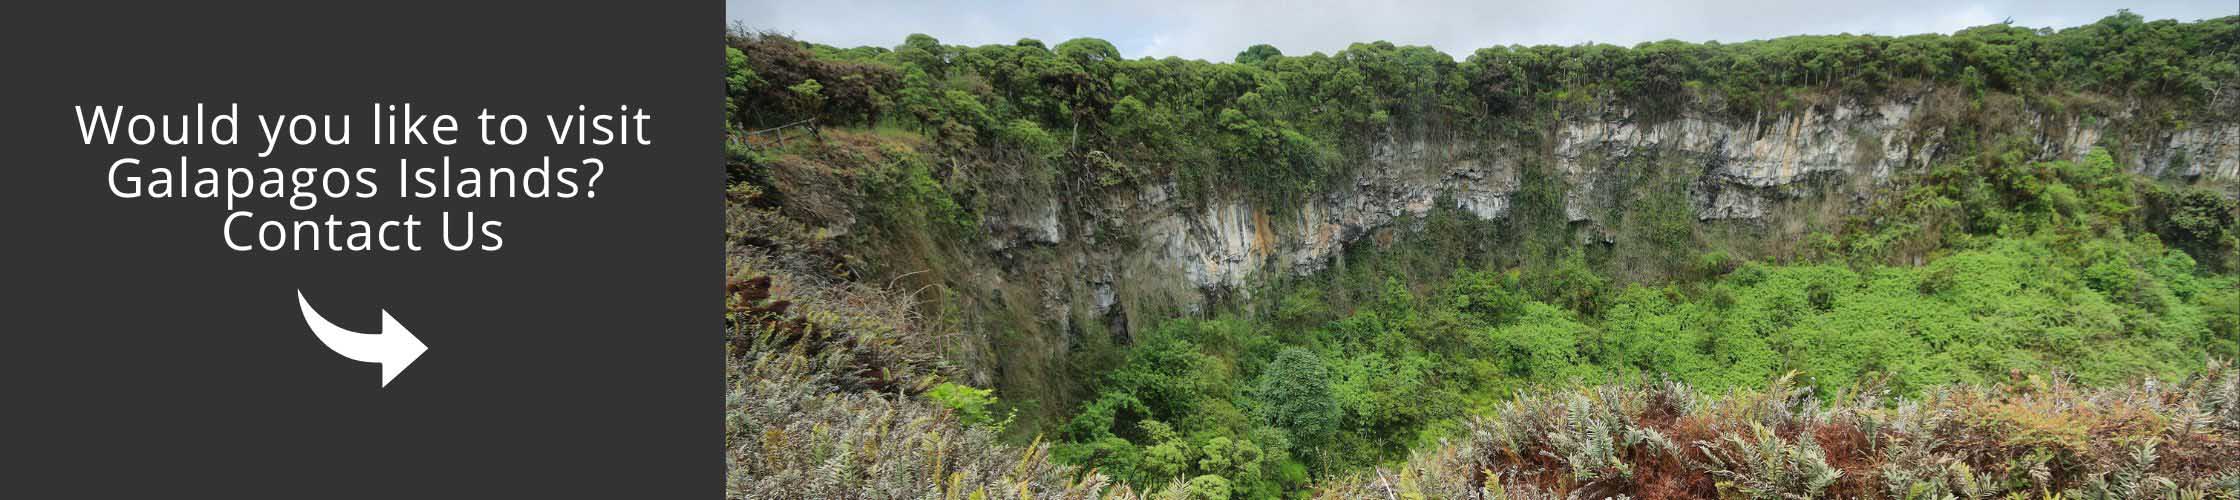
[{"x": 1217, "y": 30}]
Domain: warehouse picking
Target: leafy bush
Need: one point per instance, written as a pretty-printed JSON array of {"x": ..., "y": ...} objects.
[
  {"x": 1404, "y": 367},
  {"x": 906, "y": 191},
  {"x": 1285, "y": 124},
  {"x": 974, "y": 407}
]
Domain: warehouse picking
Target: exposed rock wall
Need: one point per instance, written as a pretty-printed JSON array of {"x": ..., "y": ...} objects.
[
  {"x": 2211, "y": 151},
  {"x": 1747, "y": 168},
  {"x": 1059, "y": 269}
]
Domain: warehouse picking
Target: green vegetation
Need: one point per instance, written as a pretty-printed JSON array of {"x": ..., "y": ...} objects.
[
  {"x": 1284, "y": 125},
  {"x": 2034, "y": 437},
  {"x": 972, "y": 406},
  {"x": 1904, "y": 347},
  {"x": 2059, "y": 282},
  {"x": 828, "y": 386}
]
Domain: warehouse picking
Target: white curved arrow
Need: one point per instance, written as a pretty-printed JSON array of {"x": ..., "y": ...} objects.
[{"x": 394, "y": 348}]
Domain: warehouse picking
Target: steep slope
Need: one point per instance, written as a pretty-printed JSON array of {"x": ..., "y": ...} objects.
[
  {"x": 2035, "y": 437},
  {"x": 1059, "y": 208},
  {"x": 826, "y": 380},
  {"x": 1060, "y": 272}
]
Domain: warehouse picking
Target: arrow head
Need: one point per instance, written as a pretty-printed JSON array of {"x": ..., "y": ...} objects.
[
  {"x": 404, "y": 349},
  {"x": 394, "y": 348}
]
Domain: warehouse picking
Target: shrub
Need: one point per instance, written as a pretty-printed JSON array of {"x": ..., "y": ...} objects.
[{"x": 972, "y": 406}]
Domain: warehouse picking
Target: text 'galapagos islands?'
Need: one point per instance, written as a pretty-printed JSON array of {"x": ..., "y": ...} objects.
[{"x": 247, "y": 165}]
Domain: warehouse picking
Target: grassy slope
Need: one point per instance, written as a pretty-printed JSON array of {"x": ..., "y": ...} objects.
[
  {"x": 2028, "y": 438},
  {"x": 827, "y": 379}
]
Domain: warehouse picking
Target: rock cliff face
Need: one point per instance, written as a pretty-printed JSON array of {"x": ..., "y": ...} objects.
[
  {"x": 1101, "y": 259},
  {"x": 2210, "y": 151},
  {"x": 1746, "y": 171}
]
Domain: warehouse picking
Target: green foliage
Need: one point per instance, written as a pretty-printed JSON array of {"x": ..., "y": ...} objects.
[
  {"x": 821, "y": 380},
  {"x": 1544, "y": 345},
  {"x": 779, "y": 80},
  {"x": 973, "y": 406},
  {"x": 808, "y": 96},
  {"x": 1208, "y": 487},
  {"x": 1030, "y": 140},
  {"x": 1258, "y": 53},
  {"x": 1571, "y": 284},
  {"x": 1296, "y": 396},
  {"x": 1493, "y": 298},
  {"x": 905, "y": 190},
  {"x": 1281, "y": 125},
  {"x": 1180, "y": 373},
  {"x": 2057, "y": 284},
  {"x": 739, "y": 79},
  {"x": 2200, "y": 221},
  {"x": 1984, "y": 264}
]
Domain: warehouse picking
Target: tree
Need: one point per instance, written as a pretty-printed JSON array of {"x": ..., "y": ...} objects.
[
  {"x": 1489, "y": 297},
  {"x": 738, "y": 80},
  {"x": 924, "y": 52},
  {"x": 1095, "y": 55},
  {"x": 1295, "y": 396},
  {"x": 1087, "y": 91},
  {"x": 1258, "y": 53}
]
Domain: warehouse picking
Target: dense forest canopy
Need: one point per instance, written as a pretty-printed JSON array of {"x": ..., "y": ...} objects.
[
  {"x": 1993, "y": 262},
  {"x": 1284, "y": 123}
]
